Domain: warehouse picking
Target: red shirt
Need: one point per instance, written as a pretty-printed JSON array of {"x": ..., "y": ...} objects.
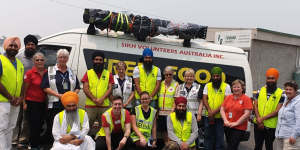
[
  {"x": 116, "y": 121},
  {"x": 85, "y": 78},
  {"x": 34, "y": 92},
  {"x": 237, "y": 107}
]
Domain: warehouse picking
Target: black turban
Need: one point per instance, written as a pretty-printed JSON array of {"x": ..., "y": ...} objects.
[
  {"x": 30, "y": 38},
  {"x": 98, "y": 53}
]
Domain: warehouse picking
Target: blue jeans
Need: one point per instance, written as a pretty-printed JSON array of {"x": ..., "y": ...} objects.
[{"x": 214, "y": 134}]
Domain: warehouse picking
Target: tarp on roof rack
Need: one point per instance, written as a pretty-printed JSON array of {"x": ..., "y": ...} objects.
[{"x": 140, "y": 26}]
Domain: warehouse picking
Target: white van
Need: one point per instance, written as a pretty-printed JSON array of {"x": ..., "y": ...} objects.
[{"x": 168, "y": 51}]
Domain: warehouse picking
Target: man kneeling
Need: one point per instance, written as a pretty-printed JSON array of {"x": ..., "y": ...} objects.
[
  {"x": 70, "y": 126},
  {"x": 115, "y": 130},
  {"x": 182, "y": 127}
]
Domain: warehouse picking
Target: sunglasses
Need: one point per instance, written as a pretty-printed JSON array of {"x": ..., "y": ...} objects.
[
  {"x": 168, "y": 74},
  {"x": 39, "y": 60}
]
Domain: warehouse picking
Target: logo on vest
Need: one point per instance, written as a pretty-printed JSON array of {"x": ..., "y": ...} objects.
[{"x": 171, "y": 89}]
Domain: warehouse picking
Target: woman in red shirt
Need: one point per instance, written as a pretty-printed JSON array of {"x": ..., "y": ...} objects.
[
  {"x": 34, "y": 103},
  {"x": 235, "y": 112}
]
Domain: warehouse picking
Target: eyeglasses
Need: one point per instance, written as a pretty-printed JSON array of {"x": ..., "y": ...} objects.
[
  {"x": 39, "y": 60},
  {"x": 168, "y": 74}
]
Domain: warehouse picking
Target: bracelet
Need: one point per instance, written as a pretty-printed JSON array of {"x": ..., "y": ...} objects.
[
  {"x": 155, "y": 140},
  {"x": 126, "y": 136}
]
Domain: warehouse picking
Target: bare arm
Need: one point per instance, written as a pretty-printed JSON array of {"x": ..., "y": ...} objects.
[
  {"x": 137, "y": 85},
  {"x": 127, "y": 129},
  {"x": 87, "y": 92},
  {"x": 157, "y": 86},
  {"x": 107, "y": 137},
  {"x": 223, "y": 115},
  {"x": 256, "y": 109},
  {"x": 273, "y": 114},
  {"x": 52, "y": 92},
  {"x": 4, "y": 92},
  {"x": 205, "y": 102},
  {"x": 135, "y": 128},
  {"x": 244, "y": 117},
  {"x": 154, "y": 128},
  {"x": 77, "y": 91},
  {"x": 106, "y": 94}
]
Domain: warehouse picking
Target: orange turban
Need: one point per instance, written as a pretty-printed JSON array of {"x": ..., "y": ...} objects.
[
  {"x": 272, "y": 72},
  {"x": 69, "y": 97},
  {"x": 10, "y": 40}
]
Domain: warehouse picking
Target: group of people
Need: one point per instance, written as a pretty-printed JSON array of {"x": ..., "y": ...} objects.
[{"x": 130, "y": 112}]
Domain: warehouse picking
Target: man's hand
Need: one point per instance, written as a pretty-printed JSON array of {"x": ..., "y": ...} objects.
[
  {"x": 66, "y": 139},
  {"x": 24, "y": 106},
  {"x": 99, "y": 101},
  {"x": 210, "y": 113},
  {"x": 261, "y": 126},
  {"x": 292, "y": 140},
  {"x": 19, "y": 100},
  {"x": 122, "y": 143},
  {"x": 143, "y": 141},
  {"x": 259, "y": 120},
  {"x": 184, "y": 146},
  {"x": 76, "y": 142},
  {"x": 154, "y": 144},
  {"x": 199, "y": 117}
]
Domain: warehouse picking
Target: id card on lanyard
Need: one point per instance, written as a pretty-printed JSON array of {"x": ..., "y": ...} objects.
[{"x": 64, "y": 82}]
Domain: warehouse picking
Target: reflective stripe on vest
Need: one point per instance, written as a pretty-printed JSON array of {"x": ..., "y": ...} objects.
[
  {"x": 81, "y": 114},
  {"x": 144, "y": 126},
  {"x": 192, "y": 97},
  {"x": 267, "y": 106},
  {"x": 147, "y": 82},
  {"x": 52, "y": 81},
  {"x": 11, "y": 78},
  {"x": 107, "y": 115},
  {"x": 166, "y": 96},
  {"x": 183, "y": 132},
  {"x": 98, "y": 86},
  {"x": 127, "y": 89},
  {"x": 215, "y": 99}
]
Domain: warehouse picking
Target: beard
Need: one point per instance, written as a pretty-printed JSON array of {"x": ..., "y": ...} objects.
[
  {"x": 98, "y": 68},
  {"x": 29, "y": 52},
  {"x": 71, "y": 117},
  {"x": 11, "y": 53},
  {"x": 216, "y": 83},
  {"x": 148, "y": 66},
  {"x": 271, "y": 87},
  {"x": 180, "y": 114}
]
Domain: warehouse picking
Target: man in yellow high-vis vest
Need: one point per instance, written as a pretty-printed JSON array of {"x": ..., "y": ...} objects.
[
  {"x": 269, "y": 100},
  {"x": 214, "y": 94},
  {"x": 11, "y": 90},
  {"x": 97, "y": 86},
  {"x": 115, "y": 130},
  {"x": 182, "y": 127},
  {"x": 71, "y": 126},
  {"x": 147, "y": 77}
]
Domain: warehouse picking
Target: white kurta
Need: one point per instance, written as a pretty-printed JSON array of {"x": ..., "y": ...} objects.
[{"x": 59, "y": 130}]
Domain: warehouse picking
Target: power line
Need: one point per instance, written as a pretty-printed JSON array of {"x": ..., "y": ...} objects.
[{"x": 67, "y": 4}]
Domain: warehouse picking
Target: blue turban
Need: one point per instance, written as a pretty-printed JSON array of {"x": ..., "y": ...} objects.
[{"x": 147, "y": 52}]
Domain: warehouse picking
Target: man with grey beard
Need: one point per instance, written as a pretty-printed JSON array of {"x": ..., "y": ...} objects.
[
  {"x": 70, "y": 126},
  {"x": 182, "y": 127}
]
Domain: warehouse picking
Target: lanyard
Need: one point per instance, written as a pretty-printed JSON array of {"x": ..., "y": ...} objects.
[{"x": 64, "y": 77}]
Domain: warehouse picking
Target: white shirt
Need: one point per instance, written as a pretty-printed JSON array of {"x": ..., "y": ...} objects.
[
  {"x": 227, "y": 90},
  {"x": 136, "y": 72}
]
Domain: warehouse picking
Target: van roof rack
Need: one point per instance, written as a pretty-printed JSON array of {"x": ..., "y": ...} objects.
[{"x": 141, "y": 26}]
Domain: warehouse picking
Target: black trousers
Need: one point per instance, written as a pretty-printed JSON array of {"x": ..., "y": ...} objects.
[
  {"x": 115, "y": 141},
  {"x": 261, "y": 135},
  {"x": 35, "y": 115},
  {"x": 50, "y": 114},
  {"x": 233, "y": 138}
]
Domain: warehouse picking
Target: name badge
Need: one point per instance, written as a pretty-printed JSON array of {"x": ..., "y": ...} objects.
[
  {"x": 241, "y": 102},
  {"x": 115, "y": 86},
  {"x": 65, "y": 86},
  {"x": 117, "y": 121},
  {"x": 182, "y": 92},
  {"x": 230, "y": 115}
]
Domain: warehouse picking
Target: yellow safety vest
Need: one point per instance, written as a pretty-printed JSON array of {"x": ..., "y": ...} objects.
[
  {"x": 144, "y": 126},
  {"x": 12, "y": 78},
  {"x": 98, "y": 86},
  {"x": 267, "y": 106},
  {"x": 215, "y": 98},
  {"x": 183, "y": 132},
  {"x": 166, "y": 96},
  {"x": 147, "y": 81},
  {"x": 108, "y": 117},
  {"x": 81, "y": 114}
]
